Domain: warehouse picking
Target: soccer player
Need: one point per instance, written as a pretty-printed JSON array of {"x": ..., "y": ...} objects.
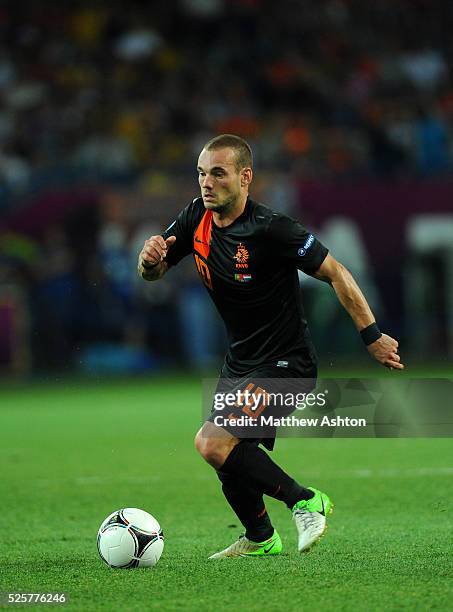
[{"x": 248, "y": 257}]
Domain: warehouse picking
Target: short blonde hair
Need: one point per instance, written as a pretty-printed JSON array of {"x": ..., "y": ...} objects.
[{"x": 244, "y": 156}]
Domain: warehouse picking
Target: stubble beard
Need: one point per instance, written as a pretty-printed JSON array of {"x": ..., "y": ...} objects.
[{"x": 224, "y": 208}]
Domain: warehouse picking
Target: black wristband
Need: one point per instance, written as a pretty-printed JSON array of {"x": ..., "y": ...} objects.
[{"x": 371, "y": 333}]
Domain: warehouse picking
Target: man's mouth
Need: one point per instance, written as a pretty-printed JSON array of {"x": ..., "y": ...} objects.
[{"x": 209, "y": 196}]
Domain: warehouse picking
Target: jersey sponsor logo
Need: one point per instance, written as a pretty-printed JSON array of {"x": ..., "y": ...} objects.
[
  {"x": 243, "y": 278},
  {"x": 242, "y": 256},
  {"x": 308, "y": 243}
]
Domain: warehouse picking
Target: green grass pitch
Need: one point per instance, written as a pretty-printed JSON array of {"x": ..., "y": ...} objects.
[{"x": 72, "y": 453}]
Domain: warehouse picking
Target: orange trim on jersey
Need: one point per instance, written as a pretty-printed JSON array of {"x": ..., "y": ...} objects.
[{"x": 202, "y": 236}]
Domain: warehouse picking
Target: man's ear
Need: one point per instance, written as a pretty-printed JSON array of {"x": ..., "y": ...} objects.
[{"x": 246, "y": 177}]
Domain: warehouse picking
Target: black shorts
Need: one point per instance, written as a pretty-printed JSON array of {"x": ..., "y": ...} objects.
[{"x": 265, "y": 392}]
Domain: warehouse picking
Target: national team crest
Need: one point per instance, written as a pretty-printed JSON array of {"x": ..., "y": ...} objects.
[{"x": 242, "y": 256}]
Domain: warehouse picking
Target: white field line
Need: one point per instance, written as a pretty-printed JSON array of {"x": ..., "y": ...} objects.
[
  {"x": 418, "y": 472},
  {"x": 398, "y": 473}
]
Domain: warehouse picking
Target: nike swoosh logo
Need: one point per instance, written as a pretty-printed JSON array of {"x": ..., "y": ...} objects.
[
  {"x": 266, "y": 550},
  {"x": 200, "y": 241}
]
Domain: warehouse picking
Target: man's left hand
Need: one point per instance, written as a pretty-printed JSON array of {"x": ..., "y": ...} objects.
[{"x": 385, "y": 350}]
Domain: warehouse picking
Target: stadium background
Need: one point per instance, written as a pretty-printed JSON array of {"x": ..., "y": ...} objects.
[{"x": 103, "y": 110}]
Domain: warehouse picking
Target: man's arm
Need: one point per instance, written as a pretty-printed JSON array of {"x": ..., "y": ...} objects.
[
  {"x": 385, "y": 348},
  {"x": 151, "y": 261}
]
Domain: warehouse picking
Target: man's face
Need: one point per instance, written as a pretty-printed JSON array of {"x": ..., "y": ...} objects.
[{"x": 221, "y": 183}]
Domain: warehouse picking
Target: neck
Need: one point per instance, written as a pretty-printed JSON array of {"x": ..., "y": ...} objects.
[{"x": 229, "y": 215}]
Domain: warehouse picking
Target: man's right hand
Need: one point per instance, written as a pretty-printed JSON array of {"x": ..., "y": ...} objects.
[{"x": 155, "y": 250}]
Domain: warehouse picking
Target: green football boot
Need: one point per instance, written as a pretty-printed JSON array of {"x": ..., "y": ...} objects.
[
  {"x": 310, "y": 518},
  {"x": 243, "y": 547}
]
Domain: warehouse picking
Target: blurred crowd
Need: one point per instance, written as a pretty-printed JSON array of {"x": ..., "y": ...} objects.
[
  {"x": 340, "y": 86},
  {"x": 117, "y": 99}
]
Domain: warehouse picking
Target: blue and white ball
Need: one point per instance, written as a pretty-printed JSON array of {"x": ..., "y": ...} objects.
[{"x": 130, "y": 538}]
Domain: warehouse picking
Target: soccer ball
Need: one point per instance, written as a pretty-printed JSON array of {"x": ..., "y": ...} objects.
[{"x": 130, "y": 538}]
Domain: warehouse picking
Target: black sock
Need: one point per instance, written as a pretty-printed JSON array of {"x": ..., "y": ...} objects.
[
  {"x": 250, "y": 462},
  {"x": 248, "y": 505}
]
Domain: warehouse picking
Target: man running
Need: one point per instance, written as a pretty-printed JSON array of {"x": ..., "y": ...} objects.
[{"x": 248, "y": 257}]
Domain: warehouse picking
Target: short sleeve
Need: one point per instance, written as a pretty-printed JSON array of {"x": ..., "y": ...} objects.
[
  {"x": 296, "y": 245},
  {"x": 183, "y": 228}
]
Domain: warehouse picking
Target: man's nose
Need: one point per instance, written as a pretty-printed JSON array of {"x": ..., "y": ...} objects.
[{"x": 207, "y": 182}]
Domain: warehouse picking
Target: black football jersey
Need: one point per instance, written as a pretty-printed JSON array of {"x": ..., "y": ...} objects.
[{"x": 250, "y": 271}]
